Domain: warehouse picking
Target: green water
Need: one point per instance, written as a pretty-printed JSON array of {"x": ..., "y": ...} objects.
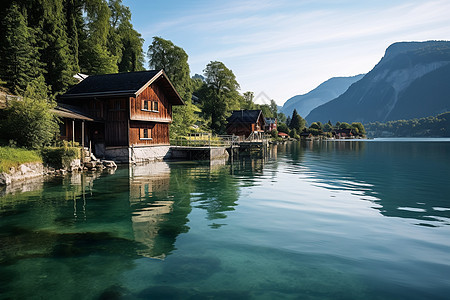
[{"x": 336, "y": 220}]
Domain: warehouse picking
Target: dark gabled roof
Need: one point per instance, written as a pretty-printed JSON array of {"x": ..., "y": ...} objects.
[
  {"x": 244, "y": 116},
  {"x": 122, "y": 84}
]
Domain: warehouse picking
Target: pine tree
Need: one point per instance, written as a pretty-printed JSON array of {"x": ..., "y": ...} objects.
[
  {"x": 19, "y": 62},
  {"x": 297, "y": 122},
  {"x": 55, "y": 51}
]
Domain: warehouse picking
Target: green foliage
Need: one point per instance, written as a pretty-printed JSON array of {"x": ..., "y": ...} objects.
[
  {"x": 343, "y": 125},
  {"x": 281, "y": 118},
  {"x": 57, "y": 39},
  {"x": 265, "y": 109},
  {"x": 30, "y": 122},
  {"x": 328, "y": 127},
  {"x": 60, "y": 157},
  {"x": 163, "y": 54},
  {"x": 13, "y": 157},
  {"x": 123, "y": 40},
  {"x": 282, "y": 127},
  {"x": 247, "y": 101},
  {"x": 438, "y": 126},
  {"x": 297, "y": 122},
  {"x": 358, "y": 128},
  {"x": 274, "y": 133},
  {"x": 220, "y": 95},
  {"x": 18, "y": 54},
  {"x": 294, "y": 134}
]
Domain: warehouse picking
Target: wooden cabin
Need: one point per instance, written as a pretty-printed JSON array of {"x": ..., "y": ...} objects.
[
  {"x": 271, "y": 124},
  {"x": 245, "y": 122},
  {"x": 129, "y": 112}
]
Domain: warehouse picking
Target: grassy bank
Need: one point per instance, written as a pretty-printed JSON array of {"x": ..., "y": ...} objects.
[{"x": 13, "y": 157}]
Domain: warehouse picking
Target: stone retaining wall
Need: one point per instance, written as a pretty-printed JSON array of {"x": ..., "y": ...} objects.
[{"x": 23, "y": 172}]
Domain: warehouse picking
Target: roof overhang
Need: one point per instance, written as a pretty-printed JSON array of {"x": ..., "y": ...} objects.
[
  {"x": 166, "y": 84},
  {"x": 66, "y": 111}
]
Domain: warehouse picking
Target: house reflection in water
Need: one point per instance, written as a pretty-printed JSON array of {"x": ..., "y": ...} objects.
[{"x": 147, "y": 183}]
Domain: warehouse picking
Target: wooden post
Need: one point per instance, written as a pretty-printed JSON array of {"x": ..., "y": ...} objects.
[
  {"x": 73, "y": 132},
  {"x": 82, "y": 134}
]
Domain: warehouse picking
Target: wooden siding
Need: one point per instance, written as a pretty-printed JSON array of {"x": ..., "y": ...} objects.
[
  {"x": 151, "y": 93},
  {"x": 159, "y": 133},
  {"x": 116, "y": 122}
]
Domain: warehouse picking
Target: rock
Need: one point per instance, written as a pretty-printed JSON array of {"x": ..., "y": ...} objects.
[
  {"x": 90, "y": 164},
  {"x": 5, "y": 179},
  {"x": 24, "y": 169},
  {"x": 109, "y": 164}
]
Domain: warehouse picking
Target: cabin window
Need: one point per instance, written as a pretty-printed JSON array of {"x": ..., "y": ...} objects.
[
  {"x": 148, "y": 105},
  {"x": 145, "y": 134}
]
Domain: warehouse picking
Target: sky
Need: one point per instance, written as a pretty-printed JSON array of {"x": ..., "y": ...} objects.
[{"x": 279, "y": 49}]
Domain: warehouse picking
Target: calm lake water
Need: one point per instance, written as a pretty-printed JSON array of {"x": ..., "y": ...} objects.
[{"x": 329, "y": 220}]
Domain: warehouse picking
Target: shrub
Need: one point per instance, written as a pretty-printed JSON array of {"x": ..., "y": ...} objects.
[
  {"x": 60, "y": 157},
  {"x": 30, "y": 122}
]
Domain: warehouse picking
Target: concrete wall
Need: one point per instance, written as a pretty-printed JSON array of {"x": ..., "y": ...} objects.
[
  {"x": 137, "y": 154},
  {"x": 149, "y": 153},
  {"x": 143, "y": 154}
]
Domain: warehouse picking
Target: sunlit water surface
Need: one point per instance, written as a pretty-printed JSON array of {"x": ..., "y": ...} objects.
[{"x": 316, "y": 220}]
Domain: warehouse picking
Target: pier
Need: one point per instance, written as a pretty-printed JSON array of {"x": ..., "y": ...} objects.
[{"x": 205, "y": 146}]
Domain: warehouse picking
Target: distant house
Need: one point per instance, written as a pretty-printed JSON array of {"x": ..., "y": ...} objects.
[
  {"x": 342, "y": 133},
  {"x": 271, "y": 124},
  {"x": 244, "y": 122},
  {"x": 123, "y": 116},
  {"x": 283, "y": 135}
]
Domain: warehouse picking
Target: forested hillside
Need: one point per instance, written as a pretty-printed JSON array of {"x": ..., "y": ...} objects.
[
  {"x": 61, "y": 38},
  {"x": 438, "y": 126}
]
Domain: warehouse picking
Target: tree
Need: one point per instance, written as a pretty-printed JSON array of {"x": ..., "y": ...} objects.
[
  {"x": 247, "y": 101},
  {"x": 358, "y": 128},
  {"x": 30, "y": 121},
  {"x": 273, "y": 108},
  {"x": 123, "y": 41},
  {"x": 19, "y": 58},
  {"x": 95, "y": 57},
  {"x": 49, "y": 20},
  {"x": 221, "y": 95},
  {"x": 327, "y": 127},
  {"x": 281, "y": 117},
  {"x": 163, "y": 54},
  {"x": 297, "y": 122},
  {"x": 282, "y": 127},
  {"x": 267, "y": 112}
]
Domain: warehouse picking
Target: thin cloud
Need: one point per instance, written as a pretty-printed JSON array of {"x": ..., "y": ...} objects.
[{"x": 304, "y": 42}]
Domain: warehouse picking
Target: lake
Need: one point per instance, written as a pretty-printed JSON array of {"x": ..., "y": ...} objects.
[{"x": 313, "y": 220}]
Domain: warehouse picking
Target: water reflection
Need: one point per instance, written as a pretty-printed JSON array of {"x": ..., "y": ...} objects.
[{"x": 406, "y": 180}]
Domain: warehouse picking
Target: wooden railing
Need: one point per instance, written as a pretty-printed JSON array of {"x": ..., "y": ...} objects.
[{"x": 205, "y": 140}]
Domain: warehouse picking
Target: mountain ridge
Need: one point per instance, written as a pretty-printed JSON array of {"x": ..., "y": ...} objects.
[
  {"x": 390, "y": 91},
  {"x": 324, "y": 92}
]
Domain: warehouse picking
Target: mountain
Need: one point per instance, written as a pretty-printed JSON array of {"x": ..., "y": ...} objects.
[
  {"x": 410, "y": 81},
  {"x": 325, "y": 92}
]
